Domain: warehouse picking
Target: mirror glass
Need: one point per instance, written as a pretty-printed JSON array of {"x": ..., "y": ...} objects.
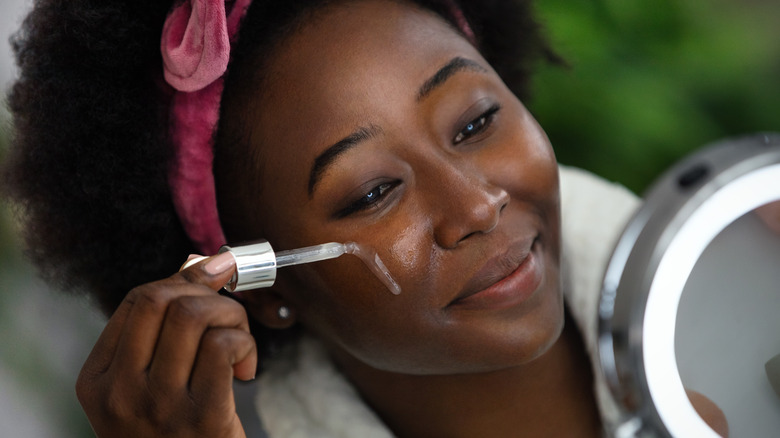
[{"x": 728, "y": 322}]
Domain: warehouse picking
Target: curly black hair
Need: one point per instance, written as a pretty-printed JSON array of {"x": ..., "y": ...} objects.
[{"x": 87, "y": 170}]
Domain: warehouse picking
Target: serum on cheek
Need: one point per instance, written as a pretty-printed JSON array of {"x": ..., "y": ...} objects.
[
  {"x": 374, "y": 263},
  {"x": 256, "y": 263}
]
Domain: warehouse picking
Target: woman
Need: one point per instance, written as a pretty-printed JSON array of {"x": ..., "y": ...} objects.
[{"x": 380, "y": 122}]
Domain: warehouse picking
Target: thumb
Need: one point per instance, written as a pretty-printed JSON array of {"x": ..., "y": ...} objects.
[{"x": 214, "y": 272}]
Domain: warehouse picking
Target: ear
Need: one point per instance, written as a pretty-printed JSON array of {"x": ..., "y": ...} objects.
[{"x": 264, "y": 305}]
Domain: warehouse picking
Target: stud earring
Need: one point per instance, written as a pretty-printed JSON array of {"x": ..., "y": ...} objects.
[{"x": 283, "y": 312}]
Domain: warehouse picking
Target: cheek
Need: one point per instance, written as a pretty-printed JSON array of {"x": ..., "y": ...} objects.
[
  {"x": 344, "y": 304},
  {"x": 525, "y": 164},
  {"x": 404, "y": 251},
  {"x": 411, "y": 253},
  {"x": 351, "y": 311}
]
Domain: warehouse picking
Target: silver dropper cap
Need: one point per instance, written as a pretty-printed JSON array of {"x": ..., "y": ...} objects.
[{"x": 255, "y": 266}]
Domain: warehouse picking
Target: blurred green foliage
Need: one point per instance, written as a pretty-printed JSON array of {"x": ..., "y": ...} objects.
[{"x": 649, "y": 81}]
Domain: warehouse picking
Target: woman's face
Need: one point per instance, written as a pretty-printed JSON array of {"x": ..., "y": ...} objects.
[{"x": 380, "y": 124}]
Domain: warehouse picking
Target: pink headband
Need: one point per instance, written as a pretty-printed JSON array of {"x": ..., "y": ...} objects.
[{"x": 195, "y": 48}]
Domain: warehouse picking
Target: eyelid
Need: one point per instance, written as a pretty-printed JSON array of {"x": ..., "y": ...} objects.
[{"x": 488, "y": 115}]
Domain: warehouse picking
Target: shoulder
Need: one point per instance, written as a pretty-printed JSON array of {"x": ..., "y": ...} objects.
[
  {"x": 593, "y": 215},
  {"x": 593, "y": 202},
  {"x": 594, "y": 212},
  {"x": 302, "y": 394}
]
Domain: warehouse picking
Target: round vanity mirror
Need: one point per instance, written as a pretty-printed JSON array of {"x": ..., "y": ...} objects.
[{"x": 690, "y": 305}]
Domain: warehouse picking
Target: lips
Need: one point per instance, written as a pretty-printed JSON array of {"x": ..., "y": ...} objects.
[{"x": 505, "y": 280}]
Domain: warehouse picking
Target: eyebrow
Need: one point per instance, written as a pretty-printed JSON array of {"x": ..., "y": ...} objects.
[
  {"x": 362, "y": 134},
  {"x": 449, "y": 69},
  {"x": 331, "y": 153}
]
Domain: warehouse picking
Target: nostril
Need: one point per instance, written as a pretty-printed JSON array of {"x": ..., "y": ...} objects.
[
  {"x": 467, "y": 236},
  {"x": 502, "y": 200}
]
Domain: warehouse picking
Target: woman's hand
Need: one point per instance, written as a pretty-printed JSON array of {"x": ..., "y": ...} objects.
[
  {"x": 709, "y": 412},
  {"x": 770, "y": 214},
  {"x": 165, "y": 362}
]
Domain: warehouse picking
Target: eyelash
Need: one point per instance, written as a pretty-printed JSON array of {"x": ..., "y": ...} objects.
[
  {"x": 376, "y": 194},
  {"x": 477, "y": 125},
  {"x": 369, "y": 199}
]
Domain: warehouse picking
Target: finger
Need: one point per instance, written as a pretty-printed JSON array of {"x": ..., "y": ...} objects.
[
  {"x": 102, "y": 353},
  {"x": 770, "y": 215},
  {"x": 186, "y": 320},
  {"x": 104, "y": 350},
  {"x": 149, "y": 304},
  {"x": 138, "y": 339},
  {"x": 222, "y": 351},
  {"x": 226, "y": 354}
]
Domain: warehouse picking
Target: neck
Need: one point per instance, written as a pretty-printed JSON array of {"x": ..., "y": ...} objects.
[{"x": 552, "y": 396}]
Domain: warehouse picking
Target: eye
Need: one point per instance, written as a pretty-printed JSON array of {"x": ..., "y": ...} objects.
[
  {"x": 477, "y": 125},
  {"x": 368, "y": 200}
]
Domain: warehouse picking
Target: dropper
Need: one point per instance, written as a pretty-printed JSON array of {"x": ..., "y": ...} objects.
[{"x": 256, "y": 263}]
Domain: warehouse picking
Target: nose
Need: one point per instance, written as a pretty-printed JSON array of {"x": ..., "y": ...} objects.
[{"x": 467, "y": 204}]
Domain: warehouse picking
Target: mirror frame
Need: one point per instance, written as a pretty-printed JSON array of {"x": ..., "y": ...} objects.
[{"x": 684, "y": 210}]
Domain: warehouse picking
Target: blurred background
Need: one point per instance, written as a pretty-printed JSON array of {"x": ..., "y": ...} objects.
[{"x": 647, "y": 83}]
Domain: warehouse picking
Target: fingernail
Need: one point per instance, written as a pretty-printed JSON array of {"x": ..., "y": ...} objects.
[
  {"x": 191, "y": 260},
  {"x": 219, "y": 263}
]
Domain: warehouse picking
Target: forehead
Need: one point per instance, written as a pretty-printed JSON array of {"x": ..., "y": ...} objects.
[{"x": 350, "y": 66}]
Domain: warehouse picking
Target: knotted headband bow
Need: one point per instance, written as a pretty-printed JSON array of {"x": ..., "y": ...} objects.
[{"x": 196, "y": 42}]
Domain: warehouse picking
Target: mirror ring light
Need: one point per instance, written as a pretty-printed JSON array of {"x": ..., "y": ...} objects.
[{"x": 684, "y": 210}]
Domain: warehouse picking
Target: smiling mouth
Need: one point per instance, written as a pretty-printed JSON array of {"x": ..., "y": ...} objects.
[{"x": 506, "y": 280}]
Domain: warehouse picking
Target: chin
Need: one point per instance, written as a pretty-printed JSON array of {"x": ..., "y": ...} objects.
[
  {"x": 490, "y": 343},
  {"x": 530, "y": 332}
]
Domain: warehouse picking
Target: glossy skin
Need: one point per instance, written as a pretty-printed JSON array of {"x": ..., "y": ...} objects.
[{"x": 448, "y": 201}]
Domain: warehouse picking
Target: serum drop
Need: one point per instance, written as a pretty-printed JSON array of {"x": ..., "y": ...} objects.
[{"x": 374, "y": 263}]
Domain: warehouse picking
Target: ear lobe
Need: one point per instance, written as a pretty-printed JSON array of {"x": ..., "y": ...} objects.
[{"x": 269, "y": 308}]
